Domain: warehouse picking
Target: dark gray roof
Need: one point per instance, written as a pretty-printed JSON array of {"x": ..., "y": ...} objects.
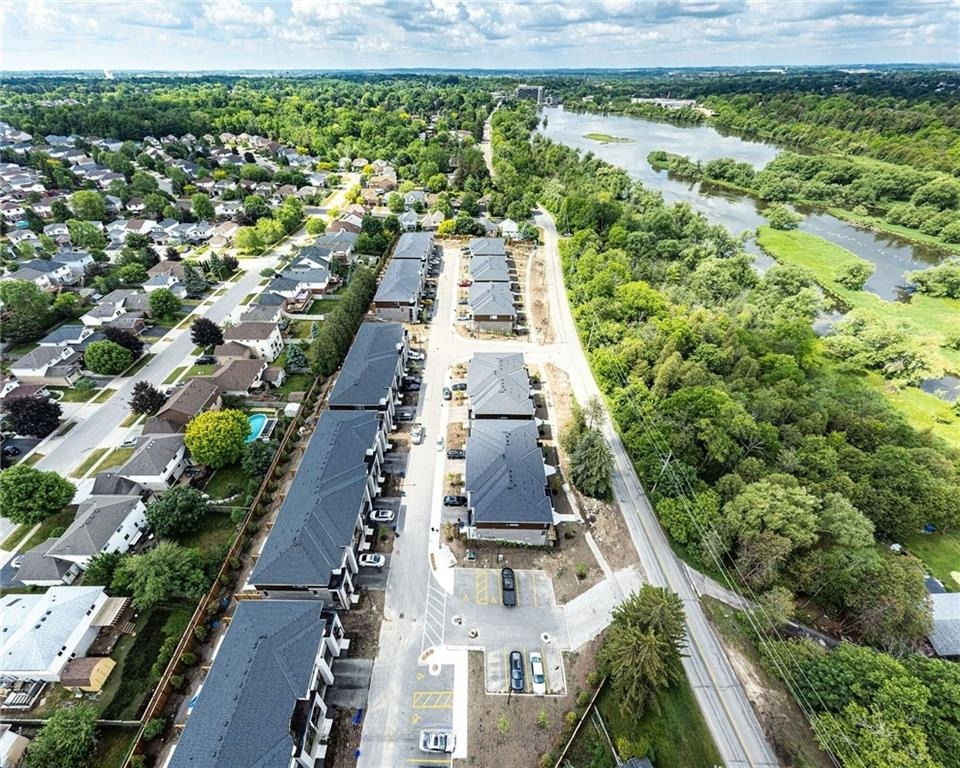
[
  {"x": 111, "y": 484},
  {"x": 152, "y": 455},
  {"x": 337, "y": 241},
  {"x": 402, "y": 280},
  {"x": 98, "y": 517},
  {"x": 247, "y": 330},
  {"x": 64, "y": 333},
  {"x": 282, "y": 283},
  {"x": 36, "y": 566},
  {"x": 313, "y": 252},
  {"x": 268, "y": 299},
  {"x": 486, "y": 245},
  {"x": 260, "y": 314},
  {"x": 505, "y": 477},
  {"x": 945, "y": 635},
  {"x": 370, "y": 368},
  {"x": 490, "y": 267},
  {"x": 492, "y": 299},
  {"x": 414, "y": 245},
  {"x": 243, "y": 715},
  {"x": 318, "y": 517},
  {"x": 42, "y": 357},
  {"x": 499, "y": 385}
]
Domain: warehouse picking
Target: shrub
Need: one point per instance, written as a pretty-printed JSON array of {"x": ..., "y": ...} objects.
[
  {"x": 581, "y": 571},
  {"x": 503, "y": 723},
  {"x": 188, "y": 658},
  {"x": 543, "y": 720},
  {"x": 177, "y": 682},
  {"x": 154, "y": 728},
  {"x": 200, "y": 632}
]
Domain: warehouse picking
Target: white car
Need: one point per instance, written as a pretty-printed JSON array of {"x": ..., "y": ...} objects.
[
  {"x": 417, "y": 434},
  {"x": 382, "y": 516},
  {"x": 415, "y": 356},
  {"x": 536, "y": 674},
  {"x": 437, "y": 740},
  {"x": 372, "y": 561},
  {"x": 439, "y": 443}
]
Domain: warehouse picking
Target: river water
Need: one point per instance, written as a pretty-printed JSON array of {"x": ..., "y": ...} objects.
[{"x": 892, "y": 256}]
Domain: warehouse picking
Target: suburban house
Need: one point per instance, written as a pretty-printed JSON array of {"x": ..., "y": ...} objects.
[
  {"x": 68, "y": 333},
  {"x": 432, "y": 220},
  {"x": 415, "y": 198},
  {"x": 232, "y": 350},
  {"x": 372, "y": 371},
  {"x": 38, "y": 570},
  {"x": 43, "y": 632},
  {"x": 102, "y": 524},
  {"x": 398, "y": 295},
  {"x": 490, "y": 268},
  {"x": 199, "y": 394},
  {"x": 171, "y": 283},
  {"x": 341, "y": 245},
  {"x": 263, "y": 338},
  {"x": 414, "y": 245},
  {"x": 506, "y": 483},
  {"x": 945, "y": 634},
  {"x": 57, "y": 366},
  {"x": 157, "y": 463},
  {"x": 349, "y": 223},
  {"x": 499, "y": 386},
  {"x": 167, "y": 268},
  {"x": 491, "y": 305},
  {"x": 300, "y": 286},
  {"x": 486, "y": 246},
  {"x": 243, "y": 377},
  {"x": 408, "y": 221},
  {"x": 123, "y": 301},
  {"x": 312, "y": 547},
  {"x": 261, "y": 313},
  {"x": 263, "y": 701},
  {"x": 509, "y": 229}
]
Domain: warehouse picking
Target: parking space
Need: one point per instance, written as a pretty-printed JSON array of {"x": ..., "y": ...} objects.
[
  {"x": 496, "y": 669},
  {"x": 482, "y": 586}
]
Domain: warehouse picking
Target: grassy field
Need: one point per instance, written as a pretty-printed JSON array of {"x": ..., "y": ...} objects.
[
  {"x": 199, "y": 370},
  {"x": 296, "y": 382},
  {"x": 214, "y": 536},
  {"x": 226, "y": 481},
  {"x": 51, "y": 527},
  {"x": 90, "y": 461},
  {"x": 606, "y": 138},
  {"x": 115, "y": 458},
  {"x": 74, "y": 394},
  {"x": 923, "y": 411},
  {"x": 174, "y": 374},
  {"x": 941, "y": 552},
  {"x": 15, "y": 537},
  {"x": 321, "y": 306}
]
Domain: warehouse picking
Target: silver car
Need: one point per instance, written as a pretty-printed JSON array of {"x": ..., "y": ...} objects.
[{"x": 437, "y": 740}]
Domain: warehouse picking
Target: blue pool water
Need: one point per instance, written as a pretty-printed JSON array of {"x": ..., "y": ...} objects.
[{"x": 257, "y": 422}]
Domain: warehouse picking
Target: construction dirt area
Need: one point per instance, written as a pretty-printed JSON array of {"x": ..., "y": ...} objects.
[
  {"x": 538, "y": 305},
  {"x": 517, "y": 730}
]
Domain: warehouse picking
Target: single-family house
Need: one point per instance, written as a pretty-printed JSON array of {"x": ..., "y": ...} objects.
[
  {"x": 68, "y": 333},
  {"x": 123, "y": 301},
  {"x": 38, "y": 570},
  {"x": 311, "y": 549},
  {"x": 509, "y": 229},
  {"x": 499, "y": 386},
  {"x": 261, "y": 313},
  {"x": 415, "y": 198},
  {"x": 340, "y": 245},
  {"x": 490, "y": 268},
  {"x": 264, "y": 700},
  {"x": 408, "y": 221},
  {"x": 56, "y": 366},
  {"x": 400, "y": 290},
  {"x": 167, "y": 267},
  {"x": 485, "y": 246},
  {"x": 240, "y": 377},
  {"x": 157, "y": 462},
  {"x": 432, "y": 221},
  {"x": 263, "y": 338},
  {"x": 197, "y": 395},
  {"x": 103, "y": 524},
  {"x": 348, "y": 223},
  {"x": 492, "y": 307}
]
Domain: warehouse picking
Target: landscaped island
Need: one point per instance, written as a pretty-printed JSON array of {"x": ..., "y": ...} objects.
[{"x": 606, "y": 138}]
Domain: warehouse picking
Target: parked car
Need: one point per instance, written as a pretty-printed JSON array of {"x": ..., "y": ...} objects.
[
  {"x": 455, "y": 501},
  {"x": 516, "y": 671},
  {"x": 509, "y": 587},
  {"x": 16, "y": 562},
  {"x": 412, "y": 379},
  {"x": 382, "y": 516},
  {"x": 130, "y": 442},
  {"x": 405, "y": 415},
  {"x": 414, "y": 355},
  {"x": 459, "y": 386},
  {"x": 410, "y": 386},
  {"x": 536, "y": 674},
  {"x": 11, "y": 450},
  {"x": 437, "y": 740},
  {"x": 205, "y": 360},
  {"x": 417, "y": 434},
  {"x": 374, "y": 560},
  {"x": 463, "y": 300},
  {"x": 465, "y": 283},
  {"x": 456, "y": 453},
  {"x": 447, "y": 394}
]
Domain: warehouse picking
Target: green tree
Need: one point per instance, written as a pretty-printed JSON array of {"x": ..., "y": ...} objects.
[
  {"x": 216, "y": 438},
  {"x": 295, "y": 360},
  {"x": 316, "y": 225},
  {"x": 205, "y": 333},
  {"x": 28, "y": 310},
  {"x": 178, "y": 511},
  {"x": 34, "y": 415},
  {"x": 146, "y": 399},
  {"x": 164, "y": 305},
  {"x": 780, "y": 216},
  {"x": 28, "y": 495},
  {"x": 66, "y": 740},
  {"x": 86, "y": 234},
  {"x": 132, "y": 274},
  {"x": 102, "y": 567},
  {"x": 202, "y": 207},
  {"x": 257, "y": 456},
  {"x": 855, "y": 275},
  {"x": 591, "y": 465},
  {"x": 88, "y": 204},
  {"x": 164, "y": 572},
  {"x": 248, "y": 239},
  {"x": 67, "y": 305},
  {"x": 395, "y": 202},
  {"x": 107, "y": 357}
]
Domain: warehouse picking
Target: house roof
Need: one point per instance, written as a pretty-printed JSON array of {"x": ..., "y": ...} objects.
[
  {"x": 111, "y": 484},
  {"x": 98, "y": 517},
  {"x": 232, "y": 349},
  {"x": 486, "y": 245},
  {"x": 167, "y": 267},
  {"x": 255, "y": 331},
  {"x": 413, "y": 245},
  {"x": 260, "y": 313},
  {"x": 492, "y": 299},
  {"x": 498, "y": 385},
  {"x": 64, "y": 333},
  {"x": 264, "y": 666},
  {"x": 505, "y": 476},
  {"x": 945, "y": 635},
  {"x": 238, "y": 375},
  {"x": 490, "y": 267},
  {"x": 36, "y": 627},
  {"x": 401, "y": 281},
  {"x": 41, "y": 357},
  {"x": 152, "y": 455},
  {"x": 36, "y": 566},
  {"x": 369, "y": 371},
  {"x": 337, "y": 241},
  {"x": 317, "y": 519},
  {"x": 189, "y": 400}
]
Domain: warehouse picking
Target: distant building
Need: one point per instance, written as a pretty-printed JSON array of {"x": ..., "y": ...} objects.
[{"x": 530, "y": 93}]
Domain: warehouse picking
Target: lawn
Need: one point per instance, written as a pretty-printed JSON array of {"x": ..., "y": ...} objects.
[
  {"x": 321, "y": 306},
  {"x": 32, "y": 459},
  {"x": 134, "y": 369},
  {"x": 922, "y": 411},
  {"x": 214, "y": 537},
  {"x": 15, "y": 537},
  {"x": 51, "y": 527},
  {"x": 301, "y": 329},
  {"x": 200, "y": 370},
  {"x": 132, "y": 419},
  {"x": 941, "y": 553},
  {"x": 296, "y": 382},
  {"x": 89, "y": 462},
  {"x": 104, "y": 395},
  {"x": 75, "y": 394},
  {"x": 226, "y": 481},
  {"x": 248, "y": 298},
  {"x": 677, "y": 735},
  {"x": 115, "y": 458},
  {"x": 174, "y": 374},
  {"x": 113, "y": 745}
]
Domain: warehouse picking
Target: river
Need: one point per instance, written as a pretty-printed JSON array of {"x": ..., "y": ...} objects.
[{"x": 891, "y": 256}]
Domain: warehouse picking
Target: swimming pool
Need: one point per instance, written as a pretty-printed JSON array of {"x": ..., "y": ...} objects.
[{"x": 257, "y": 423}]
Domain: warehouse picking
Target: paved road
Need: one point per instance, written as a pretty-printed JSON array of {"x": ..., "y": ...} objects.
[{"x": 725, "y": 707}]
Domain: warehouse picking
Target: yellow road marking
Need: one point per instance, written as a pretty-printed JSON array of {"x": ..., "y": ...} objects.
[
  {"x": 420, "y": 676},
  {"x": 432, "y": 699},
  {"x": 414, "y": 718},
  {"x": 535, "y": 603},
  {"x": 481, "y": 586},
  {"x": 430, "y": 760}
]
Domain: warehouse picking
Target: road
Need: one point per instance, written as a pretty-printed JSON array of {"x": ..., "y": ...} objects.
[{"x": 723, "y": 702}]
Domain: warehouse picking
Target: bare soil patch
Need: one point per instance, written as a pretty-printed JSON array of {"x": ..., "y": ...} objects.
[
  {"x": 344, "y": 739},
  {"x": 456, "y": 435},
  {"x": 362, "y": 625}
]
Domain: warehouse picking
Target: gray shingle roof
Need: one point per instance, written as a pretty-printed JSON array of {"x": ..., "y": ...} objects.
[
  {"x": 98, "y": 517},
  {"x": 317, "y": 519},
  {"x": 189, "y": 400},
  {"x": 36, "y": 566},
  {"x": 499, "y": 385},
  {"x": 64, "y": 333},
  {"x": 243, "y": 715},
  {"x": 152, "y": 455},
  {"x": 109, "y": 483},
  {"x": 490, "y": 267},
  {"x": 244, "y": 331},
  {"x": 402, "y": 280},
  {"x": 505, "y": 477},
  {"x": 260, "y": 314},
  {"x": 486, "y": 245},
  {"x": 945, "y": 635},
  {"x": 492, "y": 299},
  {"x": 414, "y": 245},
  {"x": 370, "y": 368},
  {"x": 42, "y": 357}
]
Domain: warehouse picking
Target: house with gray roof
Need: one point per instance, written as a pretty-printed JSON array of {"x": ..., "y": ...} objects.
[
  {"x": 372, "y": 371},
  {"x": 492, "y": 308},
  {"x": 499, "y": 386},
  {"x": 38, "y": 570},
  {"x": 401, "y": 287},
  {"x": 157, "y": 462},
  {"x": 414, "y": 245},
  {"x": 311, "y": 550},
  {"x": 945, "y": 634},
  {"x": 102, "y": 524},
  {"x": 261, "y": 313},
  {"x": 490, "y": 268},
  {"x": 263, "y": 702},
  {"x": 57, "y": 366},
  {"x": 508, "y": 497},
  {"x": 486, "y": 246},
  {"x": 197, "y": 395},
  {"x": 68, "y": 333},
  {"x": 263, "y": 338},
  {"x": 341, "y": 245},
  {"x": 241, "y": 377},
  {"x": 115, "y": 304}
]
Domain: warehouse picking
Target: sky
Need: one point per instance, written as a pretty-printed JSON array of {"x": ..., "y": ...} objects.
[{"x": 485, "y": 34}]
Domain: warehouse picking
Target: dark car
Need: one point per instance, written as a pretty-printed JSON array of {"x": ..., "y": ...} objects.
[
  {"x": 508, "y": 587},
  {"x": 205, "y": 360},
  {"x": 456, "y": 453},
  {"x": 410, "y": 386},
  {"x": 455, "y": 501},
  {"x": 405, "y": 416},
  {"x": 447, "y": 394},
  {"x": 11, "y": 450},
  {"x": 459, "y": 386},
  {"x": 516, "y": 671}
]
